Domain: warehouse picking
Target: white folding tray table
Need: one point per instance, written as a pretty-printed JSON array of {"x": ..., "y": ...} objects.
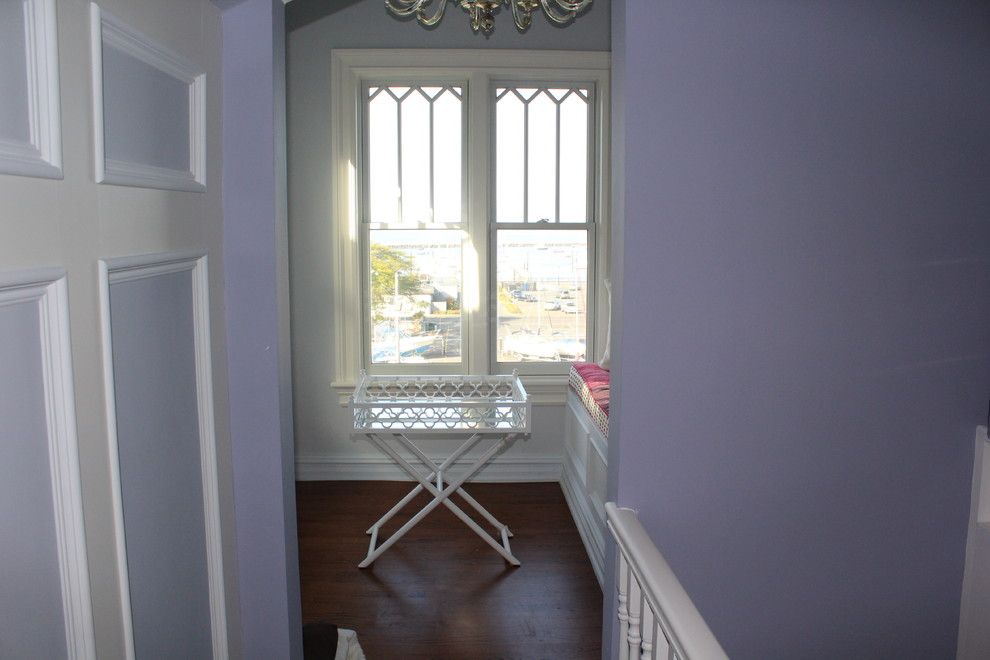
[{"x": 395, "y": 410}]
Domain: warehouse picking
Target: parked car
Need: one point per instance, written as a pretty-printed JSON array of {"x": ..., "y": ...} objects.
[
  {"x": 565, "y": 294},
  {"x": 570, "y": 308},
  {"x": 551, "y": 305}
]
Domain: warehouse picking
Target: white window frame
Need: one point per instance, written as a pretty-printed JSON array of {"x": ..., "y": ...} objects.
[
  {"x": 479, "y": 70},
  {"x": 365, "y": 228}
]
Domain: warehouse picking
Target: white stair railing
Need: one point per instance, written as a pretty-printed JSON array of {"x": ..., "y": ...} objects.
[{"x": 657, "y": 620}]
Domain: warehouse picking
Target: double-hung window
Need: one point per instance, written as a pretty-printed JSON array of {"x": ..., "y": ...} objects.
[
  {"x": 413, "y": 221},
  {"x": 543, "y": 226},
  {"x": 469, "y": 195}
]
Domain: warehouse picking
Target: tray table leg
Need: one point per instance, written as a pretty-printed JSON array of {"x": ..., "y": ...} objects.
[
  {"x": 430, "y": 465},
  {"x": 483, "y": 512},
  {"x": 463, "y": 449},
  {"x": 440, "y": 497},
  {"x": 408, "y": 444},
  {"x": 395, "y": 509}
]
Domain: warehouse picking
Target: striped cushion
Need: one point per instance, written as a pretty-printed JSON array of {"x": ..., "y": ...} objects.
[{"x": 591, "y": 383}]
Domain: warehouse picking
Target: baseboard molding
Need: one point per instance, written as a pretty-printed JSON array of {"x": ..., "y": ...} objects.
[
  {"x": 503, "y": 469},
  {"x": 584, "y": 517}
]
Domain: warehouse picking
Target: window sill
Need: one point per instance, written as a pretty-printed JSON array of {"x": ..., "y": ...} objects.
[{"x": 542, "y": 390}]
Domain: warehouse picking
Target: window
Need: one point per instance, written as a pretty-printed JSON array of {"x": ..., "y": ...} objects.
[
  {"x": 413, "y": 182},
  {"x": 470, "y": 224},
  {"x": 542, "y": 225}
]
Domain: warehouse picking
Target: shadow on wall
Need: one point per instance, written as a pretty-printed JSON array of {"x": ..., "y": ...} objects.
[{"x": 303, "y": 12}]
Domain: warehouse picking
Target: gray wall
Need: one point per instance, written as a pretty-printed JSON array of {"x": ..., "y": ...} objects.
[
  {"x": 154, "y": 368},
  {"x": 807, "y": 206},
  {"x": 31, "y": 614},
  {"x": 316, "y": 27}
]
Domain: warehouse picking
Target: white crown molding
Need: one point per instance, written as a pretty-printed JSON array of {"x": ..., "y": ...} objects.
[
  {"x": 516, "y": 64},
  {"x": 107, "y": 30},
  {"x": 126, "y": 269},
  {"x": 41, "y": 155},
  {"x": 48, "y": 290}
]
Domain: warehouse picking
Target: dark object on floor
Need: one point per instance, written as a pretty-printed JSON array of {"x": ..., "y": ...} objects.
[{"x": 319, "y": 641}]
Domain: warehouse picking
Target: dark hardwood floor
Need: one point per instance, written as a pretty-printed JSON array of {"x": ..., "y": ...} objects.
[{"x": 440, "y": 592}]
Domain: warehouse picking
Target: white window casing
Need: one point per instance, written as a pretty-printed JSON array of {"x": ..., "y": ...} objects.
[{"x": 478, "y": 72}]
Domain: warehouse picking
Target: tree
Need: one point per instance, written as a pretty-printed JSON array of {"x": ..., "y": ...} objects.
[{"x": 385, "y": 262}]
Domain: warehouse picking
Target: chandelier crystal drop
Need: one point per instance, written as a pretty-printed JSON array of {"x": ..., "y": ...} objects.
[{"x": 482, "y": 12}]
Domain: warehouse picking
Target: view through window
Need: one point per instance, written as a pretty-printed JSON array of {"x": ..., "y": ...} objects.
[
  {"x": 537, "y": 248},
  {"x": 541, "y": 184},
  {"x": 415, "y": 181}
]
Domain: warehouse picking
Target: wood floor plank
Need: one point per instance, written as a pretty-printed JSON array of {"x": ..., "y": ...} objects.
[{"x": 441, "y": 592}]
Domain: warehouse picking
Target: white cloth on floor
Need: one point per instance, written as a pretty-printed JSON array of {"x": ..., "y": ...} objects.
[{"x": 347, "y": 646}]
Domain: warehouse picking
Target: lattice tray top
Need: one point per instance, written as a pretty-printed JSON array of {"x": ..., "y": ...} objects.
[{"x": 441, "y": 404}]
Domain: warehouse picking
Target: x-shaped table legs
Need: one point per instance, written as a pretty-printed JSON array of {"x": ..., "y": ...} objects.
[{"x": 435, "y": 483}]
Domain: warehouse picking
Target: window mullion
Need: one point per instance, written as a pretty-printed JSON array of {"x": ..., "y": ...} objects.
[
  {"x": 556, "y": 181},
  {"x": 526, "y": 161},
  {"x": 478, "y": 159},
  {"x": 398, "y": 159},
  {"x": 433, "y": 183}
]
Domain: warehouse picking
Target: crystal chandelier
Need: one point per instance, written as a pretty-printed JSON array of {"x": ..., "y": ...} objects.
[{"x": 482, "y": 12}]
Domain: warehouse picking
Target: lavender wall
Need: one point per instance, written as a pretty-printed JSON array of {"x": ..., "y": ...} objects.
[
  {"x": 260, "y": 407},
  {"x": 804, "y": 348},
  {"x": 617, "y": 117}
]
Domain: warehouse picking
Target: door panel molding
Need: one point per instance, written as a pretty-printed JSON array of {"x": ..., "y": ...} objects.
[
  {"x": 125, "y": 269},
  {"x": 47, "y": 289}
]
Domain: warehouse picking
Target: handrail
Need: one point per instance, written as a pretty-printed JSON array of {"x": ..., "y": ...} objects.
[{"x": 645, "y": 578}]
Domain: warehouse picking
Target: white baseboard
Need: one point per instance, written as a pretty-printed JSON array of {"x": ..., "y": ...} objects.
[
  {"x": 503, "y": 469},
  {"x": 587, "y": 522}
]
